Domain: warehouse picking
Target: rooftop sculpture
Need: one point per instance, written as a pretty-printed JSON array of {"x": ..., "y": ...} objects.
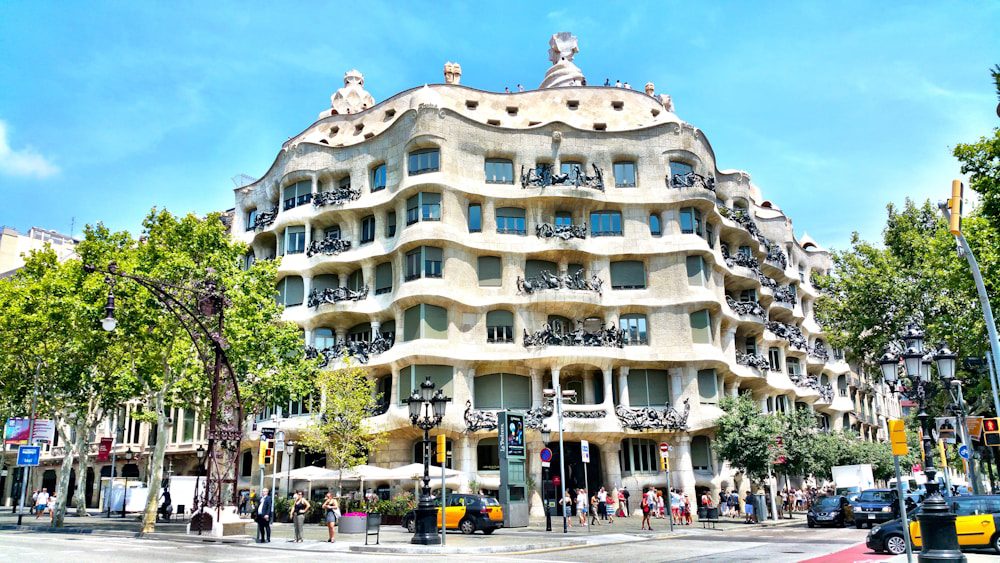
[
  {"x": 352, "y": 98},
  {"x": 452, "y": 73},
  {"x": 562, "y": 48}
]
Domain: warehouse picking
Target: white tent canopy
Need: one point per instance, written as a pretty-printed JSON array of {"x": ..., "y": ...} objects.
[{"x": 416, "y": 471}]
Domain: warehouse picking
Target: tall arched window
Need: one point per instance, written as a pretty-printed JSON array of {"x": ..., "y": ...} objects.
[
  {"x": 701, "y": 453},
  {"x": 246, "y": 464}
]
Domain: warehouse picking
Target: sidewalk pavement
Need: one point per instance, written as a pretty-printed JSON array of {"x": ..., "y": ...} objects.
[{"x": 394, "y": 539}]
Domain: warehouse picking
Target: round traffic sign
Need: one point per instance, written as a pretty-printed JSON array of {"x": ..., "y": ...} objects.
[
  {"x": 545, "y": 455},
  {"x": 664, "y": 447},
  {"x": 963, "y": 451}
]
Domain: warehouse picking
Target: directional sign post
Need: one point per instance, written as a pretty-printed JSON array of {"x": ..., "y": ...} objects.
[
  {"x": 665, "y": 464},
  {"x": 546, "y": 456},
  {"x": 585, "y": 457},
  {"x": 27, "y": 456},
  {"x": 963, "y": 452}
]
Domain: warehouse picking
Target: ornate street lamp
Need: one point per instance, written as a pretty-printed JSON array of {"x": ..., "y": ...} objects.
[
  {"x": 937, "y": 522},
  {"x": 129, "y": 454},
  {"x": 427, "y": 409},
  {"x": 200, "y": 310}
]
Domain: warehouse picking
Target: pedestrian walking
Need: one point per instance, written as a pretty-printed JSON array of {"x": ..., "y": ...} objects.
[
  {"x": 581, "y": 506},
  {"x": 622, "y": 505},
  {"x": 625, "y": 495},
  {"x": 331, "y": 511},
  {"x": 686, "y": 510},
  {"x": 567, "y": 508},
  {"x": 263, "y": 511},
  {"x": 298, "y": 515},
  {"x": 51, "y": 506},
  {"x": 748, "y": 508},
  {"x": 602, "y": 503},
  {"x": 34, "y": 499},
  {"x": 613, "y": 505},
  {"x": 594, "y": 511},
  {"x": 734, "y": 502},
  {"x": 647, "y": 509},
  {"x": 676, "y": 501},
  {"x": 41, "y": 502}
]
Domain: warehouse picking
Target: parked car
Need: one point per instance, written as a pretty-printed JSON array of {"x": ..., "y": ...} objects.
[
  {"x": 977, "y": 522},
  {"x": 889, "y": 536},
  {"x": 875, "y": 506},
  {"x": 466, "y": 513},
  {"x": 830, "y": 511}
]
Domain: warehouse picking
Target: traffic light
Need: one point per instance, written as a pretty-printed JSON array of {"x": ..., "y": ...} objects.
[
  {"x": 991, "y": 431},
  {"x": 442, "y": 449},
  {"x": 955, "y": 207},
  {"x": 266, "y": 455}
]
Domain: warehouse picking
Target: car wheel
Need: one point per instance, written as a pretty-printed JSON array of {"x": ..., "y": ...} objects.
[
  {"x": 895, "y": 544},
  {"x": 996, "y": 543},
  {"x": 489, "y": 531},
  {"x": 810, "y": 524},
  {"x": 411, "y": 525},
  {"x": 467, "y": 526}
]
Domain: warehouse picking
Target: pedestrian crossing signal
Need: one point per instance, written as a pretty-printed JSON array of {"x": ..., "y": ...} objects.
[
  {"x": 991, "y": 431},
  {"x": 266, "y": 455}
]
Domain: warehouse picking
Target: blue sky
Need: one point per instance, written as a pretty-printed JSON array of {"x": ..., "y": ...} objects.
[{"x": 835, "y": 109}]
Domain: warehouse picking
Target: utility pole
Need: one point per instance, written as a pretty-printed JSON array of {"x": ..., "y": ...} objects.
[{"x": 26, "y": 472}]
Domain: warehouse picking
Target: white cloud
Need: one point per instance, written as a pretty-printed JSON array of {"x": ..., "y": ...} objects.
[{"x": 23, "y": 162}]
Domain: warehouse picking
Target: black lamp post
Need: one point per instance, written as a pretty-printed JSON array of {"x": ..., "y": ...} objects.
[
  {"x": 200, "y": 453},
  {"x": 546, "y": 434},
  {"x": 426, "y": 411},
  {"x": 937, "y": 522},
  {"x": 128, "y": 458}
]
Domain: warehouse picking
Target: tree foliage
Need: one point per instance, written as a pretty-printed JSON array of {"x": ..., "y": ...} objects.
[{"x": 745, "y": 437}]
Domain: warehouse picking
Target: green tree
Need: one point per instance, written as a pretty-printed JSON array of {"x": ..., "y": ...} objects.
[
  {"x": 343, "y": 430},
  {"x": 745, "y": 437}
]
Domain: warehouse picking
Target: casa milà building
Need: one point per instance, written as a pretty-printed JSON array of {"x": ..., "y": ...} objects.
[{"x": 501, "y": 242}]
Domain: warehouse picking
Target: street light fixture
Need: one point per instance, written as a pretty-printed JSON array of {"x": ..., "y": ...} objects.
[
  {"x": 129, "y": 454},
  {"x": 427, "y": 410},
  {"x": 937, "y": 522}
]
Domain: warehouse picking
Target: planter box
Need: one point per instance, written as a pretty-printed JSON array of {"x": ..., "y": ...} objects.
[{"x": 351, "y": 524}]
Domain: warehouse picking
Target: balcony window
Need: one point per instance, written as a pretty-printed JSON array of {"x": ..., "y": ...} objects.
[
  {"x": 655, "y": 227},
  {"x": 332, "y": 232},
  {"x": 708, "y": 387},
  {"x": 423, "y": 262},
  {"x": 563, "y": 219},
  {"x": 710, "y": 234},
  {"x": 411, "y": 377},
  {"x": 634, "y": 326},
  {"x": 750, "y": 345},
  {"x": 488, "y": 455},
  {"x": 560, "y": 325},
  {"x": 297, "y": 194},
  {"x": 745, "y": 251},
  {"x": 323, "y": 338},
  {"x": 356, "y": 281},
  {"x": 572, "y": 169},
  {"x": 295, "y": 240},
  {"x": 360, "y": 333},
  {"x": 425, "y": 206},
  {"x": 425, "y": 321},
  {"x": 748, "y": 295},
  {"x": 490, "y": 270},
  {"x": 691, "y": 223},
  {"x": 794, "y": 368},
  {"x": 638, "y": 455},
  {"x": 499, "y": 326},
  {"x": 290, "y": 290},
  {"x": 388, "y": 331},
  {"x": 701, "y": 453},
  {"x": 423, "y": 161},
  {"x": 378, "y": 178},
  {"x": 475, "y": 218},
  {"x": 701, "y": 327},
  {"x": 624, "y": 174},
  {"x": 774, "y": 358},
  {"x": 628, "y": 274},
  {"x": 697, "y": 270},
  {"x": 606, "y": 223},
  {"x": 499, "y": 171},
  {"x": 534, "y": 268},
  {"x": 648, "y": 388},
  {"x": 680, "y": 168},
  {"x": 368, "y": 229},
  {"x": 248, "y": 260},
  {"x": 502, "y": 391},
  {"x": 251, "y": 219},
  {"x": 510, "y": 221},
  {"x": 390, "y": 224},
  {"x": 383, "y": 278}
]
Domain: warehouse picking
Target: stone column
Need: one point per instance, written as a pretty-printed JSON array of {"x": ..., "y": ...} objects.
[
  {"x": 536, "y": 387},
  {"x": 609, "y": 391},
  {"x": 315, "y": 183},
  {"x": 678, "y": 385},
  {"x": 376, "y": 325},
  {"x": 394, "y": 389},
  {"x": 309, "y": 233},
  {"x": 342, "y": 280},
  {"x": 533, "y": 467},
  {"x": 465, "y": 461},
  {"x": 612, "y": 465},
  {"x": 470, "y": 387},
  {"x": 555, "y": 379},
  {"x": 368, "y": 272},
  {"x": 623, "y": 398},
  {"x": 308, "y": 333},
  {"x": 307, "y": 284},
  {"x": 588, "y": 387},
  {"x": 763, "y": 404},
  {"x": 729, "y": 341},
  {"x": 341, "y": 334},
  {"x": 682, "y": 476}
]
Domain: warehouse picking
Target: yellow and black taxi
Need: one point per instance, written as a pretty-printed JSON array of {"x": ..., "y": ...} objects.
[
  {"x": 977, "y": 521},
  {"x": 466, "y": 513}
]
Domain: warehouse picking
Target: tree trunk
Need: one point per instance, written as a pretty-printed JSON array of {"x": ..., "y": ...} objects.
[
  {"x": 154, "y": 479},
  {"x": 64, "y": 474},
  {"x": 82, "y": 433}
]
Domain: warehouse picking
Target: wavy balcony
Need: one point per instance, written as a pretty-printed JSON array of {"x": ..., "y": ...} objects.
[{"x": 547, "y": 281}]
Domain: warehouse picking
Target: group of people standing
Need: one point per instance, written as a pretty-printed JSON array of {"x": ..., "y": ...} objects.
[
  {"x": 654, "y": 505},
  {"x": 603, "y": 505},
  {"x": 263, "y": 513},
  {"x": 42, "y": 502}
]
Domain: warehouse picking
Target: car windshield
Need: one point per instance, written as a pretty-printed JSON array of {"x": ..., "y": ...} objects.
[
  {"x": 875, "y": 496},
  {"x": 490, "y": 501},
  {"x": 828, "y": 502}
]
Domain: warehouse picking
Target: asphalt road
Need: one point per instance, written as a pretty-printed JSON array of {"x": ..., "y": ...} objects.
[{"x": 775, "y": 545}]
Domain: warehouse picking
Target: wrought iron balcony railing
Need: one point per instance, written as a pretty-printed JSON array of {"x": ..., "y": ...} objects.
[
  {"x": 785, "y": 294},
  {"x": 691, "y": 180},
  {"x": 611, "y": 337},
  {"x": 546, "y": 280},
  {"x": 820, "y": 353},
  {"x": 751, "y": 308},
  {"x": 337, "y": 196},
  {"x": 790, "y": 333},
  {"x": 265, "y": 218},
  {"x": 564, "y": 232},
  {"x": 752, "y": 360},
  {"x": 776, "y": 255},
  {"x": 336, "y": 295},
  {"x": 361, "y": 350},
  {"x": 649, "y": 418},
  {"x": 544, "y": 175},
  {"x": 328, "y": 246}
]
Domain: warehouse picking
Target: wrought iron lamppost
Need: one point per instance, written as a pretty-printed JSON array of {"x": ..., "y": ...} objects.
[
  {"x": 128, "y": 458},
  {"x": 937, "y": 522},
  {"x": 426, "y": 412},
  {"x": 200, "y": 453},
  {"x": 200, "y": 310}
]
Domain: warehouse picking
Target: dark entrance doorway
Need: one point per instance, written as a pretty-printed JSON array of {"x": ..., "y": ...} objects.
[
  {"x": 72, "y": 487},
  {"x": 89, "y": 491},
  {"x": 575, "y": 466},
  {"x": 49, "y": 480}
]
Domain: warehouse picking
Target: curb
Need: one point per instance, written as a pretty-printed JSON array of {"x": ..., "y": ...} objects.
[{"x": 438, "y": 550}]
